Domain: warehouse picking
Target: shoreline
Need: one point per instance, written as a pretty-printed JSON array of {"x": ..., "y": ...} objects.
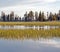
[{"x": 51, "y": 23}]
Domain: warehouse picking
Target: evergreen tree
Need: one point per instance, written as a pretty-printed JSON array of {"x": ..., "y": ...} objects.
[
  {"x": 40, "y": 16},
  {"x": 3, "y": 16},
  {"x": 26, "y": 16},
  {"x": 50, "y": 17},
  {"x": 31, "y": 15},
  {"x": 58, "y": 15},
  {"x": 55, "y": 17}
]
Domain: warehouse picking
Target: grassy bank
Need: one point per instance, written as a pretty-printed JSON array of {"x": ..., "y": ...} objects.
[
  {"x": 29, "y": 33},
  {"x": 31, "y": 23},
  {"x": 21, "y": 34}
]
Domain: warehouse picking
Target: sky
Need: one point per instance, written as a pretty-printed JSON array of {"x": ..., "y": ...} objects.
[{"x": 21, "y": 6}]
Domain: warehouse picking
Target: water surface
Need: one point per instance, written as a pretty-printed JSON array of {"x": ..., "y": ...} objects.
[
  {"x": 29, "y": 27},
  {"x": 9, "y": 43},
  {"x": 30, "y": 45}
]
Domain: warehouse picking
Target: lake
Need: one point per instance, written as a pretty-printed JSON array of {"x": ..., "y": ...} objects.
[
  {"x": 29, "y": 27},
  {"x": 30, "y": 45},
  {"x": 27, "y": 44}
]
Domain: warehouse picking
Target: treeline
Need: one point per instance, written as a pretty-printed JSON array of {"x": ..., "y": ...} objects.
[{"x": 31, "y": 16}]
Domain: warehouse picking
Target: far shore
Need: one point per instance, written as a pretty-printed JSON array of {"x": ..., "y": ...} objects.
[{"x": 53, "y": 23}]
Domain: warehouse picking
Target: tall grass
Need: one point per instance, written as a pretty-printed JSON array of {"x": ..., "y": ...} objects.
[
  {"x": 29, "y": 33},
  {"x": 31, "y": 23}
]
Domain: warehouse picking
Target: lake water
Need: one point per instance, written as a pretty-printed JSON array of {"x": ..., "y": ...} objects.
[
  {"x": 29, "y": 27},
  {"x": 30, "y": 45}
]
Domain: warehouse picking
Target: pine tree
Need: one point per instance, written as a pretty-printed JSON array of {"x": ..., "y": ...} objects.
[
  {"x": 31, "y": 15},
  {"x": 40, "y": 16}
]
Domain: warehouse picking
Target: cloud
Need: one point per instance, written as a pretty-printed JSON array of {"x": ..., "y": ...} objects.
[
  {"x": 49, "y": 42},
  {"x": 50, "y": 1},
  {"x": 4, "y": 3},
  {"x": 32, "y": 1},
  {"x": 38, "y": 1},
  {"x": 21, "y": 6}
]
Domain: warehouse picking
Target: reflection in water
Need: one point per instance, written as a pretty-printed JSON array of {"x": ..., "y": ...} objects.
[
  {"x": 30, "y": 45},
  {"x": 29, "y": 27},
  {"x": 27, "y": 42},
  {"x": 54, "y": 42}
]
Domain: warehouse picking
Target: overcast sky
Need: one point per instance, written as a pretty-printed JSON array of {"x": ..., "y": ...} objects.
[{"x": 21, "y": 6}]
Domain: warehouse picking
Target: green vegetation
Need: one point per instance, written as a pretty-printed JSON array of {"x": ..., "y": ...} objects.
[
  {"x": 29, "y": 33},
  {"x": 31, "y": 23}
]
